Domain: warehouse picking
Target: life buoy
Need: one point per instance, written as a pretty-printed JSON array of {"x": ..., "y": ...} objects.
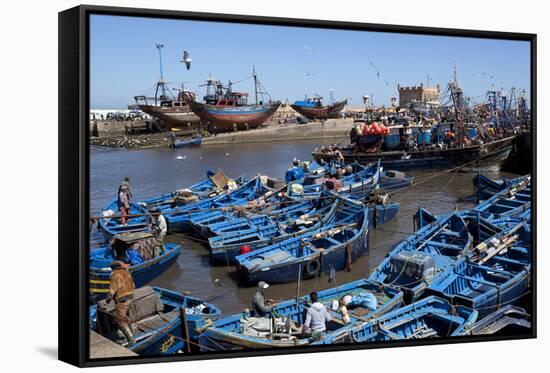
[{"x": 313, "y": 268}]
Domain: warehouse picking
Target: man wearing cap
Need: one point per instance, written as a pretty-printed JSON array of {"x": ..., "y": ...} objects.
[
  {"x": 121, "y": 290},
  {"x": 260, "y": 304}
]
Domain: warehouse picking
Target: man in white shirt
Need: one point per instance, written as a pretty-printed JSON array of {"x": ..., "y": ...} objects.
[{"x": 161, "y": 228}]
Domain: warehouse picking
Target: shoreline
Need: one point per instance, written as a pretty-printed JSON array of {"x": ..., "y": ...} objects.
[{"x": 115, "y": 137}]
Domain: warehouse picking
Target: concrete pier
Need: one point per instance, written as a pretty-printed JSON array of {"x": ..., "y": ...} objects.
[
  {"x": 101, "y": 347},
  {"x": 337, "y": 129}
]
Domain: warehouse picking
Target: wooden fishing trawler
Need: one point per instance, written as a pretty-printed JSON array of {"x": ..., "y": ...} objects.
[
  {"x": 225, "y": 110},
  {"x": 313, "y": 108},
  {"x": 463, "y": 141},
  {"x": 169, "y": 109}
]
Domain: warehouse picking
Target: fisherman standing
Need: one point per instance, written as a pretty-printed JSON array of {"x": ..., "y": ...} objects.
[
  {"x": 172, "y": 136},
  {"x": 316, "y": 318},
  {"x": 125, "y": 186},
  {"x": 121, "y": 291},
  {"x": 160, "y": 228},
  {"x": 260, "y": 304},
  {"x": 124, "y": 204}
]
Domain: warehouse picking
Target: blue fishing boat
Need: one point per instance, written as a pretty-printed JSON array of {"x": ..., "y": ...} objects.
[
  {"x": 509, "y": 320},
  {"x": 483, "y": 288},
  {"x": 245, "y": 221},
  {"x": 485, "y": 188},
  {"x": 512, "y": 201},
  {"x": 179, "y": 217},
  {"x": 272, "y": 207},
  {"x": 430, "y": 317},
  {"x": 214, "y": 184},
  {"x": 331, "y": 247},
  {"x": 226, "y": 246},
  {"x": 353, "y": 179},
  {"x": 193, "y": 141},
  {"x": 494, "y": 273},
  {"x": 413, "y": 264},
  {"x": 111, "y": 222},
  {"x": 283, "y": 327},
  {"x": 156, "y": 321},
  {"x": 142, "y": 273}
]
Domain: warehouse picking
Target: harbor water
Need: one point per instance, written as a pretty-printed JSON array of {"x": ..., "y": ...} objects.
[{"x": 156, "y": 171}]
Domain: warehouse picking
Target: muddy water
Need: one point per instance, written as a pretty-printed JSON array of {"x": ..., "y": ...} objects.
[{"x": 156, "y": 171}]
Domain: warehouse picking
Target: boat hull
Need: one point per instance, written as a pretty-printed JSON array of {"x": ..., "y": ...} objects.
[
  {"x": 334, "y": 259},
  {"x": 486, "y": 157},
  {"x": 321, "y": 112},
  {"x": 378, "y": 215},
  {"x": 229, "y": 118},
  {"x": 141, "y": 274},
  {"x": 178, "y": 116}
]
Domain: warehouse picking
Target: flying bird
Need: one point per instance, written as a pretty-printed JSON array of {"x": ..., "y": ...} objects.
[
  {"x": 308, "y": 48},
  {"x": 379, "y": 75},
  {"x": 478, "y": 74},
  {"x": 308, "y": 74},
  {"x": 186, "y": 60}
]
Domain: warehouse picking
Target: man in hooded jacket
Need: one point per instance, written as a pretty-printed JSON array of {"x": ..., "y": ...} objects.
[
  {"x": 260, "y": 304},
  {"x": 316, "y": 318}
]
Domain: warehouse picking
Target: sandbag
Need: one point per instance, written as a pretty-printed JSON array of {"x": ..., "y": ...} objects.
[{"x": 255, "y": 326}]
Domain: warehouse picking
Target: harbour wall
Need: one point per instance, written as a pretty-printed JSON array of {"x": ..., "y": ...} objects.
[
  {"x": 109, "y": 128},
  {"x": 337, "y": 129}
]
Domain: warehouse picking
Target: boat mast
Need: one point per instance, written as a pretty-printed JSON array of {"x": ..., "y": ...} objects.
[
  {"x": 458, "y": 102},
  {"x": 255, "y": 84},
  {"x": 160, "y": 83}
]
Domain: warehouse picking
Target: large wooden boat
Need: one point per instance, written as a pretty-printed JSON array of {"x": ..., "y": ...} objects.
[
  {"x": 314, "y": 109},
  {"x": 483, "y": 156},
  {"x": 171, "y": 111},
  {"x": 225, "y": 110}
]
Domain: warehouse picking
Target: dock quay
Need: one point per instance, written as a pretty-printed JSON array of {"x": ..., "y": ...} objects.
[
  {"x": 101, "y": 347},
  {"x": 331, "y": 129},
  {"x": 113, "y": 134}
]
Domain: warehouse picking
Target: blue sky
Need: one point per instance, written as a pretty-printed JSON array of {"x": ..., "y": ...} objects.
[{"x": 124, "y": 60}]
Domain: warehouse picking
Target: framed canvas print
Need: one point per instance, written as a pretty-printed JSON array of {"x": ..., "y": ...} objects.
[{"x": 235, "y": 186}]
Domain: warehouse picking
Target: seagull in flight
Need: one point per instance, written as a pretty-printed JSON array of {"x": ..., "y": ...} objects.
[
  {"x": 308, "y": 74},
  {"x": 379, "y": 75},
  {"x": 308, "y": 48},
  {"x": 186, "y": 60}
]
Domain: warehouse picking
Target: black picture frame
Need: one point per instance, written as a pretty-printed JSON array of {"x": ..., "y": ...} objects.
[{"x": 74, "y": 176}]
